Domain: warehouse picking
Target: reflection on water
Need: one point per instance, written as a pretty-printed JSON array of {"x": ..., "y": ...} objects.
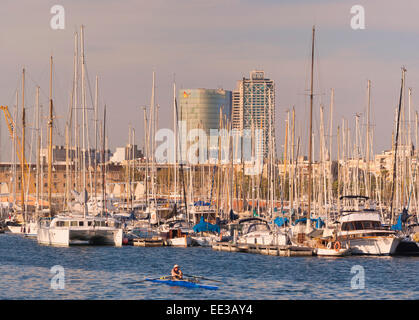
[{"x": 98, "y": 273}]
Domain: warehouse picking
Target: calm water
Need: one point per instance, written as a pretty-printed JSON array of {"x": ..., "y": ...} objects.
[{"x": 97, "y": 273}]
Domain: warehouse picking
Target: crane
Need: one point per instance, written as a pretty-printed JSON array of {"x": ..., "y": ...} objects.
[{"x": 12, "y": 126}]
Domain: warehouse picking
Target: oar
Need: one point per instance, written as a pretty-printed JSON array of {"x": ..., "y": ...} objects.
[
  {"x": 133, "y": 282},
  {"x": 203, "y": 278}
]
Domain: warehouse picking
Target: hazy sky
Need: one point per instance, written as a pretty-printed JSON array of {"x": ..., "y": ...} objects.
[{"x": 211, "y": 44}]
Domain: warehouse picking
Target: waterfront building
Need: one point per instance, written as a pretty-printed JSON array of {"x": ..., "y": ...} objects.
[
  {"x": 254, "y": 105},
  {"x": 202, "y": 109},
  {"x": 59, "y": 155},
  {"x": 126, "y": 153}
]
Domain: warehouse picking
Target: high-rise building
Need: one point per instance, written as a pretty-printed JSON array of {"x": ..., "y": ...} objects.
[
  {"x": 200, "y": 108},
  {"x": 254, "y": 106}
]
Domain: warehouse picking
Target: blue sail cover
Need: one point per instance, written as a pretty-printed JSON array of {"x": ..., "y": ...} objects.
[
  {"x": 206, "y": 226},
  {"x": 398, "y": 225},
  {"x": 279, "y": 221},
  {"x": 319, "y": 222},
  {"x": 201, "y": 203}
]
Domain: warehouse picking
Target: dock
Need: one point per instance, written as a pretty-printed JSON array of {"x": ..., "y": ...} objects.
[
  {"x": 148, "y": 242},
  {"x": 271, "y": 250}
]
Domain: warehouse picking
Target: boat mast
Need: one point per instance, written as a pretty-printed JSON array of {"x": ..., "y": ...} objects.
[
  {"x": 396, "y": 145},
  {"x": 38, "y": 150},
  {"x": 132, "y": 177},
  {"x": 96, "y": 121},
  {"x": 22, "y": 158},
  {"x": 104, "y": 162},
  {"x": 50, "y": 123},
  {"x": 175, "y": 141},
  {"x": 83, "y": 93},
  {"x": 152, "y": 137},
  {"x": 367, "y": 184},
  {"x": 15, "y": 150},
  {"x": 146, "y": 146},
  {"x": 330, "y": 190},
  {"x": 310, "y": 133},
  {"x": 76, "y": 126}
]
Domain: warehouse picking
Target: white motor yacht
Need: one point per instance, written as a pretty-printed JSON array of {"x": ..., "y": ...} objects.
[
  {"x": 362, "y": 230},
  {"x": 258, "y": 231},
  {"x": 79, "y": 229}
]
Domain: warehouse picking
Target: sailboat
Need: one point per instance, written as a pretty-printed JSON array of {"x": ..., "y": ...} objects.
[{"x": 73, "y": 227}]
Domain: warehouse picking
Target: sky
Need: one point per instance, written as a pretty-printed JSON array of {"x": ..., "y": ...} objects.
[{"x": 212, "y": 44}]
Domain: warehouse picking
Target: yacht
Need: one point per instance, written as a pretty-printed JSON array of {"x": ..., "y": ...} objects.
[
  {"x": 258, "y": 231},
  {"x": 31, "y": 229},
  {"x": 361, "y": 228},
  {"x": 176, "y": 233},
  {"x": 80, "y": 229}
]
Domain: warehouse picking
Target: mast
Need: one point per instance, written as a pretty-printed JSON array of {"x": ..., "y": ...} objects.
[
  {"x": 22, "y": 158},
  {"x": 220, "y": 124},
  {"x": 146, "y": 146},
  {"x": 104, "y": 162},
  {"x": 242, "y": 158},
  {"x": 67, "y": 169},
  {"x": 15, "y": 150},
  {"x": 330, "y": 189},
  {"x": 38, "y": 149},
  {"x": 152, "y": 137},
  {"x": 367, "y": 184},
  {"x": 311, "y": 130},
  {"x": 127, "y": 168},
  {"x": 50, "y": 122},
  {"x": 76, "y": 126},
  {"x": 96, "y": 121},
  {"x": 175, "y": 141},
  {"x": 291, "y": 162},
  {"x": 339, "y": 171},
  {"x": 83, "y": 98},
  {"x": 132, "y": 177},
  {"x": 396, "y": 145}
]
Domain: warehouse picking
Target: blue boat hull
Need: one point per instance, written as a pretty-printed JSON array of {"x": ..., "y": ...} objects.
[{"x": 183, "y": 283}]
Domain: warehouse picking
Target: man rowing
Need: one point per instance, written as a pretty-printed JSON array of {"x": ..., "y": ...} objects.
[{"x": 177, "y": 274}]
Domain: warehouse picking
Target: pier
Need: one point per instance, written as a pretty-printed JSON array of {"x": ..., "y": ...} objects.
[{"x": 271, "y": 250}]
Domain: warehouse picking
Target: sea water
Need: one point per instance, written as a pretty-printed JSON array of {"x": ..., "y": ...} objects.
[{"x": 32, "y": 271}]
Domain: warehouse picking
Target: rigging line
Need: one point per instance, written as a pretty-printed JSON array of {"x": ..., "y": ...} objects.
[{"x": 90, "y": 88}]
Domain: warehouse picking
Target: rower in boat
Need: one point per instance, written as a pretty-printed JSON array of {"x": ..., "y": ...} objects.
[{"x": 177, "y": 274}]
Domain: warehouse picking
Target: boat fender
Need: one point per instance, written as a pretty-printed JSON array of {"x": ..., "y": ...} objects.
[
  {"x": 337, "y": 246},
  {"x": 329, "y": 245}
]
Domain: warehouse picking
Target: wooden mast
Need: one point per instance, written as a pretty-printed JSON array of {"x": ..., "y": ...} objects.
[
  {"x": 311, "y": 130},
  {"x": 83, "y": 98},
  {"x": 22, "y": 158},
  {"x": 50, "y": 122}
]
